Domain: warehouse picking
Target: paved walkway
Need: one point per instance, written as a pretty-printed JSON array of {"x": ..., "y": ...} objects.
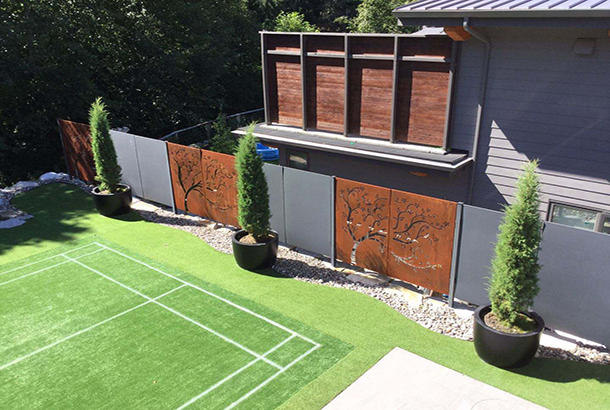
[{"x": 403, "y": 380}]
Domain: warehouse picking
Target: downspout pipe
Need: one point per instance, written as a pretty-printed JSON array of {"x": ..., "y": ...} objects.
[{"x": 482, "y": 93}]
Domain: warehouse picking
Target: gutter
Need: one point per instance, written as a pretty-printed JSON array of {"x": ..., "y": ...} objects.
[{"x": 481, "y": 105}]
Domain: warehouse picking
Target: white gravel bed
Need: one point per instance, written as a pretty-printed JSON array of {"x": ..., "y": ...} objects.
[{"x": 303, "y": 266}]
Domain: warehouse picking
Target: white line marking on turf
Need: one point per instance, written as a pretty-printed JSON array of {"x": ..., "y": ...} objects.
[
  {"x": 42, "y": 349},
  {"x": 49, "y": 267},
  {"x": 270, "y": 379},
  {"x": 215, "y": 333},
  {"x": 46, "y": 259},
  {"x": 238, "y": 371},
  {"x": 214, "y": 295}
]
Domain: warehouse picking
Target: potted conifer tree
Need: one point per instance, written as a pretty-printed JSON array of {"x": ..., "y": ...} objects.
[
  {"x": 507, "y": 333},
  {"x": 110, "y": 196},
  {"x": 255, "y": 245}
]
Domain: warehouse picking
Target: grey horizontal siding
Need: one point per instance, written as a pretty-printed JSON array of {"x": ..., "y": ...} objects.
[{"x": 543, "y": 101}]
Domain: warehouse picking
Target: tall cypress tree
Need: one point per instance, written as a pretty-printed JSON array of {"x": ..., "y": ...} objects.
[
  {"x": 515, "y": 267},
  {"x": 253, "y": 192},
  {"x": 106, "y": 165}
]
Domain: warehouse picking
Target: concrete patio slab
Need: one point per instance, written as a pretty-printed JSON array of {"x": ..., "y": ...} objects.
[{"x": 403, "y": 380}]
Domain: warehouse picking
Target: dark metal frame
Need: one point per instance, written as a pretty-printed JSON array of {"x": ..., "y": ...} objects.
[
  {"x": 599, "y": 220},
  {"x": 288, "y": 153},
  {"x": 347, "y": 56}
]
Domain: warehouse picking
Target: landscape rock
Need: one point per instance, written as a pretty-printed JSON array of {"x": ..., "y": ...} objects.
[{"x": 53, "y": 176}]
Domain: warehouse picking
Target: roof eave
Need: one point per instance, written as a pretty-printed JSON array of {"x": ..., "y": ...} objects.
[{"x": 436, "y": 14}]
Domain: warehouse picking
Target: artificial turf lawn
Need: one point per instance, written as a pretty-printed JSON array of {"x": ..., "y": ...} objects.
[
  {"x": 62, "y": 214},
  {"x": 136, "y": 353}
]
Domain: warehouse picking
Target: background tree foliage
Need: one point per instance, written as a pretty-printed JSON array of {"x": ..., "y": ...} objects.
[{"x": 159, "y": 65}]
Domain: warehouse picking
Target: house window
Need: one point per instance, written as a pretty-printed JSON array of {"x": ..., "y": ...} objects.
[
  {"x": 298, "y": 160},
  {"x": 578, "y": 217}
]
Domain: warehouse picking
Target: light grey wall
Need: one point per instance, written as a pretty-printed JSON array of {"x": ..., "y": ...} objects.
[
  {"x": 309, "y": 206},
  {"x": 154, "y": 170},
  {"x": 438, "y": 184},
  {"x": 125, "y": 147},
  {"x": 275, "y": 181},
  {"x": 543, "y": 101},
  {"x": 574, "y": 280}
]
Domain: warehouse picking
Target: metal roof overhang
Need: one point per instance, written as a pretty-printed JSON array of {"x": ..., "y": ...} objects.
[
  {"x": 505, "y": 18},
  {"x": 314, "y": 140}
]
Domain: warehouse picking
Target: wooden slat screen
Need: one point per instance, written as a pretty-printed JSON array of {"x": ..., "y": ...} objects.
[{"x": 423, "y": 77}]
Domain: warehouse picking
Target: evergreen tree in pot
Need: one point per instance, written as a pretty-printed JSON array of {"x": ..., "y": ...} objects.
[
  {"x": 255, "y": 245},
  {"x": 506, "y": 334},
  {"x": 110, "y": 196}
]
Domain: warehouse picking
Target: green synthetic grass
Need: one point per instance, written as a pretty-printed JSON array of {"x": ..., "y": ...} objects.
[
  {"x": 120, "y": 331},
  {"x": 63, "y": 214}
]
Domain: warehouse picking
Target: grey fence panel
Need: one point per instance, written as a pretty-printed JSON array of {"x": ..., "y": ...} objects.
[
  {"x": 575, "y": 282},
  {"x": 126, "y": 153},
  {"x": 478, "y": 237},
  {"x": 154, "y": 170},
  {"x": 307, "y": 202},
  {"x": 275, "y": 180}
]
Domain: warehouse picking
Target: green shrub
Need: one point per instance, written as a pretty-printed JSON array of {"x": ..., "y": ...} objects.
[
  {"x": 294, "y": 21},
  {"x": 106, "y": 165},
  {"x": 223, "y": 140},
  {"x": 252, "y": 189},
  {"x": 515, "y": 268}
]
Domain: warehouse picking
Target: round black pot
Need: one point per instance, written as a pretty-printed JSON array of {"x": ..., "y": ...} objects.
[
  {"x": 118, "y": 203},
  {"x": 254, "y": 256},
  {"x": 505, "y": 350}
]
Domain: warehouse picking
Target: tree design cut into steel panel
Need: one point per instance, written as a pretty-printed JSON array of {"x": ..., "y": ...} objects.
[
  {"x": 187, "y": 178},
  {"x": 220, "y": 187},
  {"x": 421, "y": 240},
  {"x": 77, "y": 150},
  {"x": 362, "y": 217}
]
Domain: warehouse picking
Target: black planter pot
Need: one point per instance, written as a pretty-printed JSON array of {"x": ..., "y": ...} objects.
[
  {"x": 254, "y": 256},
  {"x": 505, "y": 350},
  {"x": 118, "y": 203}
]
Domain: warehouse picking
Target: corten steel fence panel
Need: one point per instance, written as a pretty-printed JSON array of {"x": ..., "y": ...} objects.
[
  {"x": 154, "y": 170},
  {"x": 275, "y": 181},
  {"x": 127, "y": 157},
  {"x": 187, "y": 178},
  {"x": 362, "y": 214},
  {"x": 77, "y": 149},
  {"x": 421, "y": 240},
  {"x": 219, "y": 187},
  {"x": 575, "y": 282},
  {"x": 477, "y": 241},
  {"x": 308, "y": 201}
]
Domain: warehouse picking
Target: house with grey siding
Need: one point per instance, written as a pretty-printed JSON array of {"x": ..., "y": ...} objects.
[{"x": 518, "y": 80}]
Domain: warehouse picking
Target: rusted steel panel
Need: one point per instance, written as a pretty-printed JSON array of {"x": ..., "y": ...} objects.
[
  {"x": 421, "y": 240},
  {"x": 219, "y": 187},
  {"x": 77, "y": 149},
  {"x": 187, "y": 178},
  {"x": 362, "y": 214}
]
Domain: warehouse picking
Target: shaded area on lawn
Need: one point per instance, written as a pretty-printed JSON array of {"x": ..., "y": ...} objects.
[{"x": 63, "y": 213}]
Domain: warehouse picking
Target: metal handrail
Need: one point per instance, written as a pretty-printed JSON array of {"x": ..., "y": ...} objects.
[{"x": 208, "y": 123}]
